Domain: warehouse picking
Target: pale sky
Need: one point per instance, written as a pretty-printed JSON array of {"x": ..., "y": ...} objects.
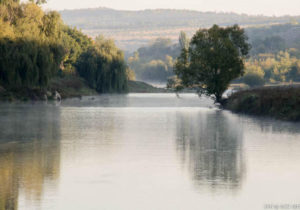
[{"x": 266, "y": 7}]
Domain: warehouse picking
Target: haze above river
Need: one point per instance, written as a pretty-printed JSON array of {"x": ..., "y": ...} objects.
[{"x": 144, "y": 152}]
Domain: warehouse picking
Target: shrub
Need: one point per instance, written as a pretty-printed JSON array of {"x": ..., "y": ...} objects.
[{"x": 253, "y": 80}]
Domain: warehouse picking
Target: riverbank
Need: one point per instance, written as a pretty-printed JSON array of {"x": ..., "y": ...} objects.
[
  {"x": 142, "y": 87},
  {"x": 281, "y": 102},
  {"x": 66, "y": 87}
]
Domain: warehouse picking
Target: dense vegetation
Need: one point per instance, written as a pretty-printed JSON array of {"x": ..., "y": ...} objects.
[
  {"x": 272, "y": 38},
  {"x": 155, "y": 61},
  {"x": 36, "y": 46},
  {"x": 283, "y": 66},
  {"x": 274, "y": 57},
  {"x": 30, "y": 55},
  {"x": 279, "y": 102},
  {"x": 103, "y": 66}
]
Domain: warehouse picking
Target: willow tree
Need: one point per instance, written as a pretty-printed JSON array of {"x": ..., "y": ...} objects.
[
  {"x": 103, "y": 67},
  {"x": 30, "y": 49},
  {"x": 214, "y": 58}
]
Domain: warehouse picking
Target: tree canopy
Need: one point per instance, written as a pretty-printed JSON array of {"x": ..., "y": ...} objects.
[
  {"x": 103, "y": 67},
  {"x": 214, "y": 58},
  {"x": 36, "y": 46}
]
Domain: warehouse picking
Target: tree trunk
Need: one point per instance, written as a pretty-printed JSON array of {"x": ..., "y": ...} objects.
[{"x": 218, "y": 98}]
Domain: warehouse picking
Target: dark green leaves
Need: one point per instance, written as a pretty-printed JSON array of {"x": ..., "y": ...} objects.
[{"x": 214, "y": 58}]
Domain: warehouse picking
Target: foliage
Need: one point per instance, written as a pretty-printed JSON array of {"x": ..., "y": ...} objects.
[
  {"x": 30, "y": 54},
  {"x": 155, "y": 61},
  {"x": 279, "y": 102},
  {"x": 270, "y": 44},
  {"x": 214, "y": 58},
  {"x": 103, "y": 67},
  {"x": 36, "y": 46},
  {"x": 253, "y": 80},
  {"x": 36, "y": 63},
  {"x": 273, "y": 38},
  {"x": 283, "y": 66},
  {"x": 74, "y": 43},
  {"x": 174, "y": 83},
  {"x": 130, "y": 74}
]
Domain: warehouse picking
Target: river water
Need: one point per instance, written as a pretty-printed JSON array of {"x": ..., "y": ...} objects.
[{"x": 145, "y": 152}]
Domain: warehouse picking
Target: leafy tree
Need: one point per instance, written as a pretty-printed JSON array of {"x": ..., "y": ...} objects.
[
  {"x": 29, "y": 55},
  {"x": 103, "y": 67},
  {"x": 36, "y": 46},
  {"x": 28, "y": 64},
  {"x": 215, "y": 57},
  {"x": 74, "y": 43}
]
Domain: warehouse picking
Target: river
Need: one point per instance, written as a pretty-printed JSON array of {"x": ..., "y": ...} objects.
[{"x": 145, "y": 152}]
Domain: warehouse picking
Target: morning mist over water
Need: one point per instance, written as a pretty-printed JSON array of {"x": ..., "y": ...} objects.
[
  {"x": 149, "y": 105},
  {"x": 182, "y": 156}
]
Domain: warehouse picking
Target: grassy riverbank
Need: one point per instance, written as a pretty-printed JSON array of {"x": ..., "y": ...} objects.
[{"x": 281, "y": 102}]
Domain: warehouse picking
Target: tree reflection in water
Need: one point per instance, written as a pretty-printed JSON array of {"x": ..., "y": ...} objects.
[
  {"x": 210, "y": 146},
  {"x": 29, "y": 152}
]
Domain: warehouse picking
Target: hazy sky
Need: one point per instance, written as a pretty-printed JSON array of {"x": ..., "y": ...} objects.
[{"x": 267, "y": 7}]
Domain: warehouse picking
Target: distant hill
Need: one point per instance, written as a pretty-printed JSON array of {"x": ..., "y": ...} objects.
[{"x": 131, "y": 29}]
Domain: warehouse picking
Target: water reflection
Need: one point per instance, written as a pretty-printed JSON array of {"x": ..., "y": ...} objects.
[
  {"x": 118, "y": 152},
  {"x": 273, "y": 126},
  {"x": 29, "y": 152},
  {"x": 210, "y": 146}
]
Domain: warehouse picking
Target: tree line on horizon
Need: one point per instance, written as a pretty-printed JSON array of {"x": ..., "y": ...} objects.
[
  {"x": 110, "y": 19},
  {"x": 274, "y": 57}
]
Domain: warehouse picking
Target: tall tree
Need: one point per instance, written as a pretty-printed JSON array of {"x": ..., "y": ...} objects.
[
  {"x": 103, "y": 67},
  {"x": 214, "y": 58}
]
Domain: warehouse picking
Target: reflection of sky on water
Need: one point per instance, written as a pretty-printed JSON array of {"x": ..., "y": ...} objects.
[{"x": 146, "y": 152}]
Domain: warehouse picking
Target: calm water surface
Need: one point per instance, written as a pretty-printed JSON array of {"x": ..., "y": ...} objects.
[{"x": 144, "y": 152}]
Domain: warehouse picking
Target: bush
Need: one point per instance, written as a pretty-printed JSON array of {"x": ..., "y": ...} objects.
[
  {"x": 281, "y": 102},
  {"x": 253, "y": 80}
]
